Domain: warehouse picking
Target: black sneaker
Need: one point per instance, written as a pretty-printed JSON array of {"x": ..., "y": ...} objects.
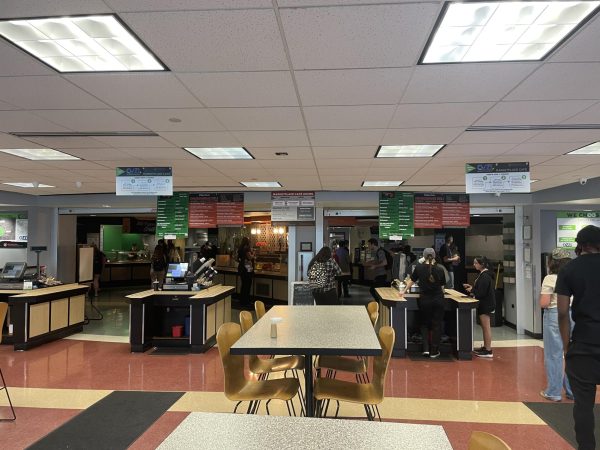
[
  {"x": 434, "y": 355},
  {"x": 484, "y": 353},
  {"x": 425, "y": 353}
]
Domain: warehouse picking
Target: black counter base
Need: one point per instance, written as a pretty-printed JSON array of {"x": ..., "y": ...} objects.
[{"x": 48, "y": 337}]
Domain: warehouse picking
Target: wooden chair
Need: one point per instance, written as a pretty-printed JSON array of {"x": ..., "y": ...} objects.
[
  {"x": 4, "y": 387},
  {"x": 238, "y": 388},
  {"x": 373, "y": 309},
  {"x": 259, "y": 308},
  {"x": 368, "y": 394},
  {"x": 481, "y": 440}
]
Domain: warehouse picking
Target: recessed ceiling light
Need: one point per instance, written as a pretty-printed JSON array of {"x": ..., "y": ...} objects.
[
  {"x": 29, "y": 185},
  {"x": 260, "y": 184},
  {"x": 407, "y": 151},
  {"x": 98, "y": 43},
  {"x": 504, "y": 31},
  {"x": 220, "y": 152},
  {"x": 381, "y": 183},
  {"x": 592, "y": 149},
  {"x": 39, "y": 154}
]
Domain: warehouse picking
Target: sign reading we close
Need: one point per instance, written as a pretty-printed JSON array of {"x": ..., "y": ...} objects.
[
  {"x": 490, "y": 178},
  {"x": 287, "y": 206},
  {"x": 144, "y": 181},
  {"x": 568, "y": 223}
]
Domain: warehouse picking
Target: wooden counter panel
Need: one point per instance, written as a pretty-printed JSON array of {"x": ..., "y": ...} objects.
[
  {"x": 39, "y": 319},
  {"x": 59, "y": 316},
  {"x": 76, "y": 309},
  {"x": 64, "y": 288},
  {"x": 211, "y": 316}
]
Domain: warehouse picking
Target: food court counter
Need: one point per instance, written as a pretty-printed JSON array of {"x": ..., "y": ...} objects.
[
  {"x": 266, "y": 285},
  {"x": 126, "y": 272},
  {"x": 460, "y": 310},
  {"x": 43, "y": 315}
]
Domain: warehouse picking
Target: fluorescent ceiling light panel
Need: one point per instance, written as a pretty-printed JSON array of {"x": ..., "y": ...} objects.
[
  {"x": 592, "y": 149},
  {"x": 39, "y": 154},
  {"x": 99, "y": 43},
  {"x": 220, "y": 152},
  {"x": 407, "y": 151},
  {"x": 504, "y": 31},
  {"x": 261, "y": 184},
  {"x": 29, "y": 185},
  {"x": 382, "y": 183}
]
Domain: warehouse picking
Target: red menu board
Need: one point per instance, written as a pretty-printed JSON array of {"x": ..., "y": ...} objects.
[
  {"x": 428, "y": 210},
  {"x": 456, "y": 211},
  {"x": 230, "y": 209},
  {"x": 202, "y": 210}
]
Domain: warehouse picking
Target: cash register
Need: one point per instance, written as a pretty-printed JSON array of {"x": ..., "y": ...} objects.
[
  {"x": 12, "y": 275},
  {"x": 199, "y": 276}
]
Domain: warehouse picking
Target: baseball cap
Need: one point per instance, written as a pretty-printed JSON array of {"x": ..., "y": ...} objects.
[
  {"x": 429, "y": 251},
  {"x": 561, "y": 253},
  {"x": 588, "y": 235}
]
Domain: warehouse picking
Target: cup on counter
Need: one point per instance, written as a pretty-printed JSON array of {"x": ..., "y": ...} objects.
[
  {"x": 155, "y": 285},
  {"x": 274, "y": 322}
]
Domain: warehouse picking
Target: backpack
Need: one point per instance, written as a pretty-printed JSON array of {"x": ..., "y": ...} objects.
[{"x": 389, "y": 259}]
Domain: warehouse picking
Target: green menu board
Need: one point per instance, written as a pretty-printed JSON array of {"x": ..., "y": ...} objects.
[
  {"x": 396, "y": 211},
  {"x": 172, "y": 216}
]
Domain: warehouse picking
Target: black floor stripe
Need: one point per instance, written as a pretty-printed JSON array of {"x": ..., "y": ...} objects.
[
  {"x": 559, "y": 416},
  {"x": 114, "y": 422}
]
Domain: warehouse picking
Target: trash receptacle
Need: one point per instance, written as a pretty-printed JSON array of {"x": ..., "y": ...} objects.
[{"x": 498, "y": 316}]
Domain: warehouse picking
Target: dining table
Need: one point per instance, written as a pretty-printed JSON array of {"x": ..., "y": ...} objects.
[{"x": 311, "y": 331}]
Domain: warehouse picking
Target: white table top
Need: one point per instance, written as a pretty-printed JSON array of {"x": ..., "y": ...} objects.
[
  {"x": 316, "y": 330},
  {"x": 250, "y": 432}
]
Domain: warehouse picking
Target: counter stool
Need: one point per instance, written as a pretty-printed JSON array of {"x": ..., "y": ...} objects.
[{"x": 4, "y": 387}]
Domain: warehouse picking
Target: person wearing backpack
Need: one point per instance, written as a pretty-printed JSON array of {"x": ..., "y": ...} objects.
[
  {"x": 379, "y": 266},
  {"x": 322, "y": 271},
  {"x": 484, "y": 290},
  {"x": 158, "y": 266}
]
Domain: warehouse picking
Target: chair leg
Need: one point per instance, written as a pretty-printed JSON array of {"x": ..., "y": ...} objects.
[
  {"x": 368, "y": 411},
  {"x": 236, "y": 407},
  {"x": 301, "y": 400},
  {"x": 12, "y": 409},
  {"x": 326, "y": 407},
  {"x": 287, "y": 404},
  {"x": 377, "y": 409},
  {"x": 267, "y": 407},
  {"x": 249, "y": 410},
  {"x": 337, "y": 410},
  {"x": 293, "y": 407},
  {"x": 300, "y": 392}
]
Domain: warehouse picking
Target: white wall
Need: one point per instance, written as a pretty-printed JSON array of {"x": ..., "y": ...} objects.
[{"x": 67, "y": 249}]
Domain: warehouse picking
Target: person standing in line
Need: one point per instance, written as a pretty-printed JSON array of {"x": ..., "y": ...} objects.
[
  {"x": 343, "y": 259},
  {"x": 581, "y": 280},
  {"x": 246, "y": 258},
  {"x": 322, "y": 271},
  {"x": 158, "y": 266},
  {"x": 553, "y": 346},
  {"x": 449, "y": 256},
  {"x": 431, "y": 281},
  {"x": 99, "y": 262},
  {"x": 484, "y": 290},
  {"x": 377, "y": 266}
]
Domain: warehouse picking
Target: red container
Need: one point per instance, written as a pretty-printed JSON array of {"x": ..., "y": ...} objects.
[{"x": 177, "y": 330}]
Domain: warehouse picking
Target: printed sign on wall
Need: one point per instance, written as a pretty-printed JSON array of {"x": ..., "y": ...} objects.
[
  {"x": 287, "y": 206},
  {"x": 568, "y": 224}
]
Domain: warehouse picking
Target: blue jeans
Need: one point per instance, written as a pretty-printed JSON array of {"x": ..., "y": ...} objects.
[{"x": 553, "y": 357}]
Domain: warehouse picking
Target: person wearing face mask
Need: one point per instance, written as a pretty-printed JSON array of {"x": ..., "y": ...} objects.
[
  {"x": 581, "y": 279},
  {"x": 483, "y": 289}
]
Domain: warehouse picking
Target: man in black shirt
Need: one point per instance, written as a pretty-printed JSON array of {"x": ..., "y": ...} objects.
[
  {"x": 449, "y": 257},
  {"x": 580, "y": 279}
]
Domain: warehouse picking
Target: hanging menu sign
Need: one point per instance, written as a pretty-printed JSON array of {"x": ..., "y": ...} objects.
[
  {"x": 144, "y": 181},
  {"x": 486, "y": 178},
  {"x": 568, "y": 224},
  {"x": 456, "y": 211},
  {"x": 396, "y": 215},
  {"x": 287, "y": 206},
  {"x": 203, "y": 210},
  {"x": 442, "y": 210},
  {"x": 230, "y": 209},
  {"x": 172, "y": 216}
]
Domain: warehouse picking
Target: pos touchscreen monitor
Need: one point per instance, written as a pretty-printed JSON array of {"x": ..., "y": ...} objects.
[
  {"x": 177, "y": 271},
  {"x": 13, "y": 270}
]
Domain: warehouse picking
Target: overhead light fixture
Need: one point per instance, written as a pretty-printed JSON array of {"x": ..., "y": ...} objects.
[
  {"x": 39, "y": 154},
  {"x": 381, "y": 183},
  {"x": 260, "y": 184},
  {"x": 29, "y": 185},
  {"x": 220, "y": 152},
  {"x": 97, "y": 43},
  {"x": 504, "y": 31},
  {"x": 407, "y": 151},
  {"x": 591, "y": 149}
]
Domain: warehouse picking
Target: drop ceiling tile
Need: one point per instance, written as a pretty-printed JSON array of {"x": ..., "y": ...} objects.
[
  {"x": 134, "y": 141},
  {"x": 445, "y": 115},
  {"x": 137, "y": 90},
  {"x": 289, "y": 172},
  {"x": 242, "y": 89},
  {"x": 101, "y": 120},
  {"x": 441, "y": 83},
  {"x": 456, "y": 161},
  {"x": 412, "y": 136},
  {"x": 168, "y": 154},
  {"x": 581, "y": 48},
  {"x": 104, "y": 174},
  {"x": 219, "y": 40},
  {"x": 272, "y": 138},
  {"x": 571, "y": 160},
  {"x": 346, "y": 138},
  {"x": 352, "y": 87},
  {"x": 190, "y": 119},
  {"x": 24, "y": 121},
  {"x": 560, "y": 81},
  {"x": 348, "y": 117},
  {"x": 273, "y": 118},
  {"x": 465, "y": 150},
  {"x": 61, "y": 177},
  {"x": 590, "y": 171},
  {"x": 587, "y": 136},
  {"x": 192, "y": 183},
  {"x": 7, "y": 107},
  {"x": 544, "y": 148},
  {"x": 184, "y": 5},
  {"x": 10, "y": 141},
  {"x": 41, "y": 8},
  {"x": 304, "y": 183},
  {"x": 338, "y": 32},
  {"x": 347, "y": 154},
  {"x": 201, "y": 138},
  {"x": 23, "y": 164},
  {"x": 73, "y": 165},
  {"x": 98, "y": 154},
  {"x": 113, "y": 164},
  {"x": 45, "y": 92},
  {"x": 65, "y": 142},
  {"x": 21, "y": 64},
  {"x": 494, "y": 137},
  {"x": 398, "y": 163},
  {"x": 384, "y": 174},
  {"x": 225, "y": 165},
  {"x": 533, "y": 112},
  {"x": 532, "y": 160},
  {"x": 243, "y": 174},
  {"x": 590, "y": 115},
  {"x": 285, "y": 164},
  {"x": 541, "y": 171},
  {"x": 342, "y": 166},
  {"x": 325, "y": 173},
  {"x": 293, "y": 153}
]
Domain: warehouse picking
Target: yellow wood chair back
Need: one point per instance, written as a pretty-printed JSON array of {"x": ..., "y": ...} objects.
[
  {"x": 481, "y": 440},
  {"x": 3, "y": 310},
  {"x": 246, "y": 321},
  {"x": 233, "y": 365},
  {"x": 259, "y": 308}
]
